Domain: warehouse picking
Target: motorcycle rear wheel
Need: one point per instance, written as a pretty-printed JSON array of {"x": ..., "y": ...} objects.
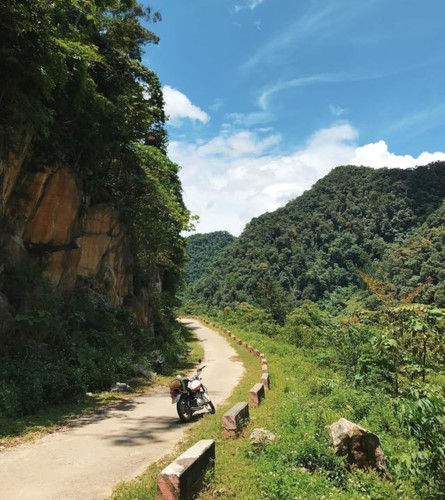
[{"x": 184, "y": 409}]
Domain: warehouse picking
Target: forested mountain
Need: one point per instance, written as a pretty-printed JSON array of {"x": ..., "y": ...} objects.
[
  {"x": 419, "y": 259},
  {"x": 201, "y": 250},
  {"x": 91, "y": 209},
  {"x": 382, "y": 221}
]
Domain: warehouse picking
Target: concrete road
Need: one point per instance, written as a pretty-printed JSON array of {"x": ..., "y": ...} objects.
[{"x": 86, "y": 461}]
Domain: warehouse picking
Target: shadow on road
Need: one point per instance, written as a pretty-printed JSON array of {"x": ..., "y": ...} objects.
[
  {"x": 146, "y": 429},
  {"x": 104, "y": 413}
]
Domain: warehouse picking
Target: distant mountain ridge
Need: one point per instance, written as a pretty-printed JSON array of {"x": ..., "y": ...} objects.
[{"x": 312, "y": 248}]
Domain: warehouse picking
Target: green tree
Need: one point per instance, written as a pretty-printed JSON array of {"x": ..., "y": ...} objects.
[
  {"x": 353, "y": 217},
  {"x": 73, "y": 84}
]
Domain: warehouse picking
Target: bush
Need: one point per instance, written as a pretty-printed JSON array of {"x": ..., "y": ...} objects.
[
  {"x": 81, "y": 344},
  {"x": 307, "y": 326},
  {"x": 317, "y": 455},
  {"x": 425, "y": 420},
  {"x": 289, "y": 465}
]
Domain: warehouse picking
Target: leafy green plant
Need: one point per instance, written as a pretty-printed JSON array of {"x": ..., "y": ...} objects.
[
  {"x": 307, "y": 326},
  {"x": 410, "y": 341},
  {"x": 424, "y": 419}
]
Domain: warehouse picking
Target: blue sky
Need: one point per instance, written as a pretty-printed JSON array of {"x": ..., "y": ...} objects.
[{"x": 267, "y": 96}]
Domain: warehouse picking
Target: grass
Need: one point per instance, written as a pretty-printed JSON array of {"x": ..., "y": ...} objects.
[
  {"x": 306, "y": 395},
  {"x": 54, "y": 418}
]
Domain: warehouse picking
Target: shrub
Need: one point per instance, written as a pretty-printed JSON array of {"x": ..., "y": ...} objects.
[
  {"x": 425, "y": 420},
  {"x": 307, "y": 326},
  {"x": 81, "y": 344}
]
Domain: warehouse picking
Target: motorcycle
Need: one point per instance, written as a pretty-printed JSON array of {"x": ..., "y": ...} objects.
[{"x": 190, "y": 395}]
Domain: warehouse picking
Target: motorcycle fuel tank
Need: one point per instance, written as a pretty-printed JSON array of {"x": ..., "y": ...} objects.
[{"x": 195, "y": 385}]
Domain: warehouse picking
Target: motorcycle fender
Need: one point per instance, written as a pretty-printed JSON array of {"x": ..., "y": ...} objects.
[{"x": 176, "y": 399}]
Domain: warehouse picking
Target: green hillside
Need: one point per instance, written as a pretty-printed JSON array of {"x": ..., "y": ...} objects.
[
  {"x": 312, "y": 248},
  {"x": 201, "y": 250},
  {"x": 420, "y": 257},
  {"x": 349, "y": 277}
]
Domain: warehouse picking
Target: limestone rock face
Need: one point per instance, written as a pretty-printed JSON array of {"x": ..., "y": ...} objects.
[
  {"x": 360, "y": 446},
  {"x": 62, "y": 268},
  {"x": 92, "y": 251},
  {"x": 22, "y": 211},
  {"x": 47, "y": 215},
  {"x": 57, "y": 211}
]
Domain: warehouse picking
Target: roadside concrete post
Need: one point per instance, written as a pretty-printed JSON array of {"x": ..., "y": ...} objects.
[
  {"x": 256, "y": 394},
  {"x": 234, "y": 419},
  {"x": 183, "y": 478}
]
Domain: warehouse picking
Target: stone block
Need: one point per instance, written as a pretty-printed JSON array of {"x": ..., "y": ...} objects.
[
  {"x": 264, "y": 367},
  {"x": 256, "y": 394},
  {"x": 234, "y": 419},
  {"x": 183, "y": 478},
  {"x": 256, "y": 352},
  {"x": 265, "y": 380}
]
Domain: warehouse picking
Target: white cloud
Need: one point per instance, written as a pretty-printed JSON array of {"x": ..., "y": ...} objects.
[
  {"x": 253, "y": 4},
  {"x": 316, "y": 22},
  {"x": 217, "y": 104},
  {"x": 248, "y": 4},
  {"x": 336, "y": 110},
  {"x": 178, "y": 106},
  {"x": 234, "y": 177},
  {"x": 420, "y": 120},
  {"x": 377, "y": 155},
  {"x": 308, "y": 25},
  {"x": 263, "y": 100},
  {"x": 237, "y": 145},
  {"x": 304, "y": 81},
  {"x": 250, "y": 119}
]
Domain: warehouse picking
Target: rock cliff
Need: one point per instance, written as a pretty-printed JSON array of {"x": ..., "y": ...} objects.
[{"x": 47, "y": 216}]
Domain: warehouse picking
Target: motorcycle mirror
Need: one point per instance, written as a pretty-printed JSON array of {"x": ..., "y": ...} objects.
[{"x": 199, "y": 360}]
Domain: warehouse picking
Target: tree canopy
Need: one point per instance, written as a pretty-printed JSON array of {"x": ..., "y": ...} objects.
[{"x": 312, "y": 248}]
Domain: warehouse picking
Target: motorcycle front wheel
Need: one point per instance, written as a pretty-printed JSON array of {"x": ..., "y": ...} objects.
[
  {"x": 210, "y": 407},
  {"x": 184, "y": 408}
]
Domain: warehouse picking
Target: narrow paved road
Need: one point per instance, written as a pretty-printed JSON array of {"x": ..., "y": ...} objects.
[{"x": 85, "y": 462}]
